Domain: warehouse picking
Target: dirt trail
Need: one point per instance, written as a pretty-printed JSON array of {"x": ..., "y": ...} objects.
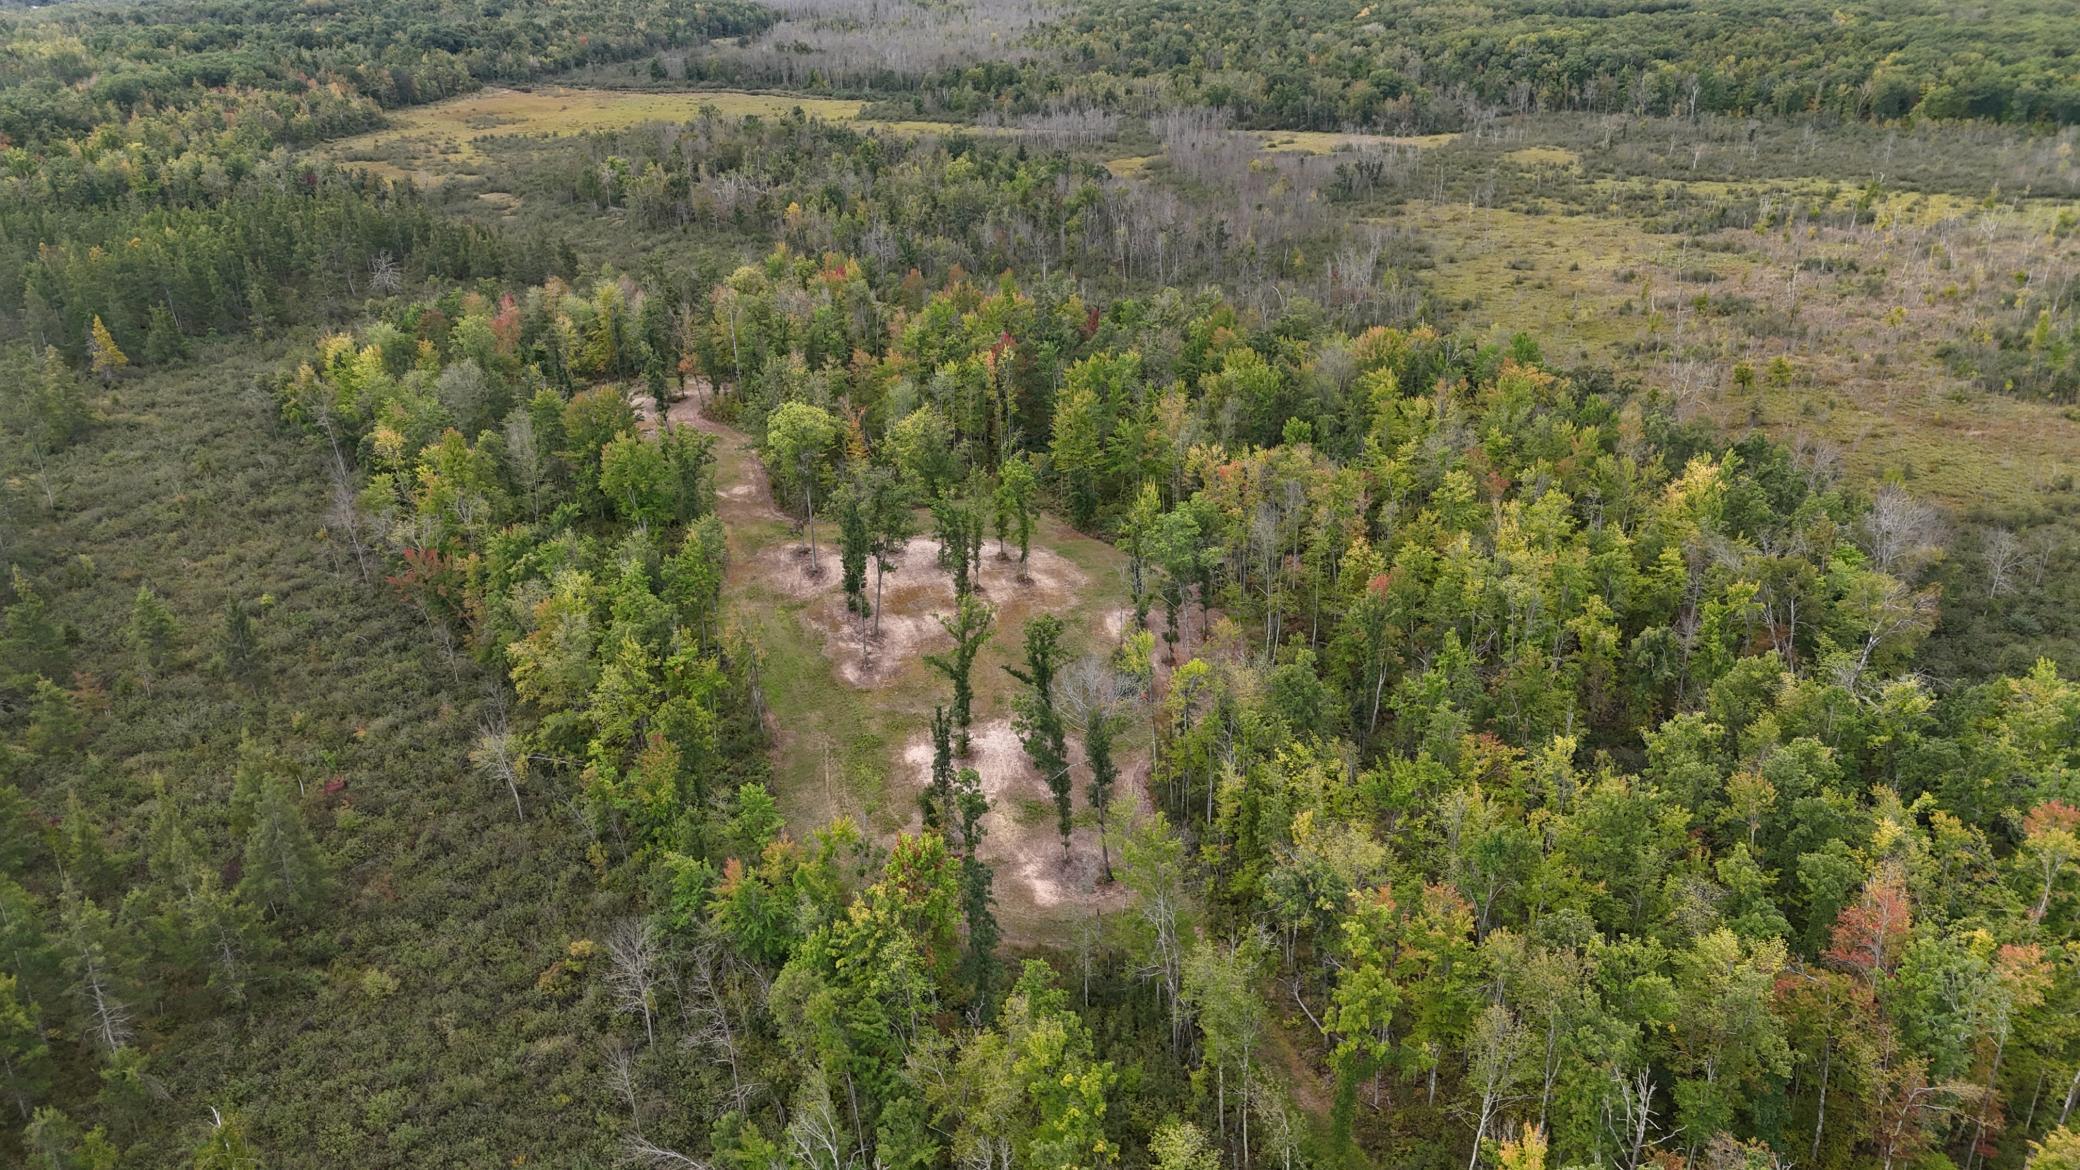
[{"x": 742, "y": 493}]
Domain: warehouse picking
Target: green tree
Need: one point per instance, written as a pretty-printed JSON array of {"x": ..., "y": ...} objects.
[
  {"x": 1017, "y": 504},
  {"x": 969, "y": 627},
  {"x": 56, "y": 728},
  {"x": 1098, "y": 727},
  {"x": 1038, "y": 721},
  {"x": 151, "y": 631},
  {"x": 54, "y": 1141},
  {"x": 855, "y": 543},
  {"x": 25, "y": 1056},
  {"x": 693, "y": 578},
  {"x": 1144, "y": 516},
  {"x": 1065, "y": 1085},
  {"x": 227, "y": 1147},
  {"x": 1180, "y": 1145},
  {"x": 100, "y": 962},
  {"x": 1220, "y": 989},
  {"x": 957, "y": 520},
  {"x": 1078, "y": 457},
  {"x": 799, "y": 437},
  {"x": 1361, "y": 1007},
  {"x": 283, "y": 871},
  {"x": 889, "y": 525},
  {"x": 635, "y": 476},
  {"x": 163, "y": 341},
  {"x": 238, "y": 644},
  {"x": 1728, "y": 1040}
]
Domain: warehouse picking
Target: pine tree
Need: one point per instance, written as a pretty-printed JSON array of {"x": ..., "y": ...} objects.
[
  {"x": 25, "y": 1057},
  {"x": 151, "y": 630},
  {"x": 56, "y": 728},
  {"x": 163, "y": 341},
  {"x": 284, "y": 873},
  {"x": 238, "y": 650},
  {"x": 104, "y": 357},
  {"x": 82, "y": 850},
  {"x": 98, "y": 960},
  {"x": 226, "y": 1147}
]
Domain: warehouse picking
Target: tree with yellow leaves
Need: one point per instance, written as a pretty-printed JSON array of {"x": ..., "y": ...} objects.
[{"x": 102, "y": 352}]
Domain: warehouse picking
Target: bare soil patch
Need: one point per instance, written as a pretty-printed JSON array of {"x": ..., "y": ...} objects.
[
  {"x": 1021, "y": 841},
  {"x": 916, "y": 591}
]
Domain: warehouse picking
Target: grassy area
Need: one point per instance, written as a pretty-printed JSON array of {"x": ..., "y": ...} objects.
[
  {"x": 435, "y": 143},
  {"x": 431, "y": 143},
  {"x": 1861, "y": 314}
]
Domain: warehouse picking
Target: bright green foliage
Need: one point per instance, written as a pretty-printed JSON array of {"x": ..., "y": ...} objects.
[
  {"x": 1016, "y": 503},
  {"x": 799, "y": 439}
]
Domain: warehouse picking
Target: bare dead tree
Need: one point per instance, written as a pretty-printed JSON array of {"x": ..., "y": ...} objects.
[
  {"x": 384, "y": 276},
  {"x": 2004, "y": 555},
  {"x": 709, "y": 1023},
  {"x": 633, "y": 974},
  {"x": 499, "y": 756},
  {"x": 637, "y": 1150},
  {"x": 1901, "y": 532}
]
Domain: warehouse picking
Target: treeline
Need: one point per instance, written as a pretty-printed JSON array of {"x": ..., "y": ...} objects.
[
  {"x": 282, "y": 242},
  {"x": 70, "y": 69},
  {"x": 1402, "y": 65}
]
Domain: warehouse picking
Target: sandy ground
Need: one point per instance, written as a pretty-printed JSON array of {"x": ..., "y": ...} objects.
[
  {"x": 914, "y": 593},
  {"x": 1021, "y": 840}
]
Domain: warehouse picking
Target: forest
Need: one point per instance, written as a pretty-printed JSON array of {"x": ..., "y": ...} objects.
[{"x": 975, "y": 583}]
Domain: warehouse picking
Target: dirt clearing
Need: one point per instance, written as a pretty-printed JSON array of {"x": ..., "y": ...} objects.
[{"x": 1022, "y": 841}]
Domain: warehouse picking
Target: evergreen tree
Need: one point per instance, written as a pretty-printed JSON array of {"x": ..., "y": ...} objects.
[
  {"x": 283, "y": 871},
  {"x": 99, "y": 961},
  {"x": 25, "y": 1056},
  {"x": 226, "y": 1147},
  {"x": 238, "y": 644},
  {"x": 163, "y": 342},
  {"x": 151, "y": 631}
]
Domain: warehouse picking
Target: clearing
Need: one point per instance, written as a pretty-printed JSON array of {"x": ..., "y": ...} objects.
[{"x": 850, "y": 714}]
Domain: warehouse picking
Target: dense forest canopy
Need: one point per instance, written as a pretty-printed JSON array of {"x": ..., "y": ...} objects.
[
  {"x": 1074, "y": 634},
  {"x": 1416, "y": 65}
]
